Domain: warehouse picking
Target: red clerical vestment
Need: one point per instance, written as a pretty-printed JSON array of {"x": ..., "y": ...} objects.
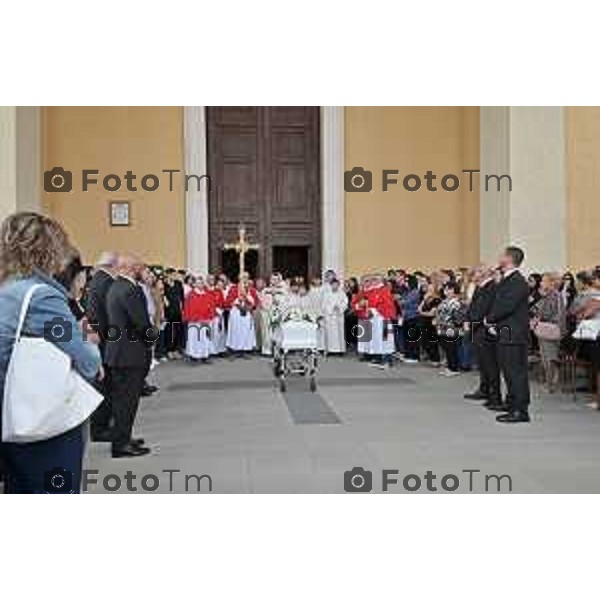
[
  {"x": 381, "y": 299},
  {"x": 360, "y": 305},
  {"x": 218, "y": 297},
  {"x": 233, "y": 298},
  {"x": 199, "y": 307}
]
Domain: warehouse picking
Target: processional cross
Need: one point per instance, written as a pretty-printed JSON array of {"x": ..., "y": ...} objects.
[{"x": 241, "y": 246}]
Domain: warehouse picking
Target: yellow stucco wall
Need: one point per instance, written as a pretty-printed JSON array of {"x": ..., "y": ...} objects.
[
  {"x": 113, "y": 140},
  {"x": 583, "y": 186},
  {"x": 419, "y": 229},
  {"x": 398, "y": 228}
]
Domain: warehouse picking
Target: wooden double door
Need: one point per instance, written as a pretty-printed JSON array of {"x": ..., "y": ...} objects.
[{"x": 264, "y": 163}]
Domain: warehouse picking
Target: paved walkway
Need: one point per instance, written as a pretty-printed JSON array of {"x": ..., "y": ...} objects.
[{"x": 229, "y": 421}]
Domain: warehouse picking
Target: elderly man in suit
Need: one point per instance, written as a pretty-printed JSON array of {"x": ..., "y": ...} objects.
[
  {"x": 97, "y": 318},
  {"x": 128, "y": 351},
  {"x": 508, "y": 319}
]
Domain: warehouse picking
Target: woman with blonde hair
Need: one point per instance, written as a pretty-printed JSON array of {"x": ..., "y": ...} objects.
[{"x": 34, "y": 250}]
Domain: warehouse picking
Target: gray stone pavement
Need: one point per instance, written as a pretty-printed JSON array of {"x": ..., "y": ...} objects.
[{"x": 229, "y": 420}]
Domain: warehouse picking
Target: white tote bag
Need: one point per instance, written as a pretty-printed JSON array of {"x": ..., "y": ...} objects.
[
  {"x": 588, "y": 329},
  {"x": 43, "y": 395}
]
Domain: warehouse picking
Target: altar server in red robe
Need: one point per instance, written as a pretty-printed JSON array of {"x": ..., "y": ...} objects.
[
  {"x": 383, "y": 314},
  {"x": 218, "y": 330},
  {"x": 199, "y": 310},
  {"x": 242, "y": 299}
]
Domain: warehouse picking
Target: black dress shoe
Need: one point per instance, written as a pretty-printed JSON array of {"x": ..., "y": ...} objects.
[
  {"x": 515, "y": 416},
  {"x": 476, "y": 396},
  {"x": 497, "y": 406},
  {"x": 130, "y": 451},
  {"x": 137, "y": 441}
]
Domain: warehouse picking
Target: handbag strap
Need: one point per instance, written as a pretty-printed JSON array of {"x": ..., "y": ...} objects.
[{"x": 25, "y": 308}]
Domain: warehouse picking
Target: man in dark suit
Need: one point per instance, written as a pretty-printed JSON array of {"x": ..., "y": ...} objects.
[
  {"x": 485, "y": 349},
  {"x": 95, "y": 308},
  {"x": 508, "y": 321},
  {"x": 128, "y": 351}
]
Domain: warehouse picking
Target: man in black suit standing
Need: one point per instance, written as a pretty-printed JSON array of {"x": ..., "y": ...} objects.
[
  {"x": 128, "y": 351},
  {"x": 97, "y": 318},
  {"x": 485, "y": 349},
  {"x": 508, "y": 321}
]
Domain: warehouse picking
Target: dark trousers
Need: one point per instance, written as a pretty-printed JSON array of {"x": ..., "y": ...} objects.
[
  {"x": 350, "y": 322},
  {"x": 30, "y": 467},
  {"x": 174, "y": 336},
  {"x": 429, "y": 339},
  {"x": 161, "y": 347},
  {"x": 450, "y": 346},
  {"x": 126, "y": 388},
  {"x": 412, "y": 336},
  {"x": 102, "y": 416},
  {"x": 489, "y": 373},
  {"x": 514, "y": 367}
]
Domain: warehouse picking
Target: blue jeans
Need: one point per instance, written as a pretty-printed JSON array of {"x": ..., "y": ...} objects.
[
  {"x": 32, "y": 467},
  {"x": 465, "y": 353}
]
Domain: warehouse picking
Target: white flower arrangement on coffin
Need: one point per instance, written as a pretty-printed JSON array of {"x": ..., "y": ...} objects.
[
  {"x": 284, "y": 315},
  {"x": 297, "y": 314}
]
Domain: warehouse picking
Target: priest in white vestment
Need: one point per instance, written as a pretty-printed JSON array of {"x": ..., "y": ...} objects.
[
  {"x": 335, "y": 303},
  {"x": 263, "y": 318},
  {"x": 313, "y": 303}
]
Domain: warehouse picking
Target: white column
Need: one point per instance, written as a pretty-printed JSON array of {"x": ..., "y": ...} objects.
[
  {"x": 29, "y": 158},
  {"x": 8, "y": 160},
  {"x": 332, "y": 188},
  {"x": 527, "y": 143},
  {"x": 538, "y": 201},
  {"x": 20, "y": 159},
  {"x": 494, "y": 123},
  {"x": 196, "y": 201}
]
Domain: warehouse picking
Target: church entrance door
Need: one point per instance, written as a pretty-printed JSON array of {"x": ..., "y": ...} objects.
[{"x": 264, "y": 163}]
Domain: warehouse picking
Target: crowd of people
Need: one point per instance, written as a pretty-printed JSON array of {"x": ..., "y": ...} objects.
[
  {"x": 132, "y": 317},
  {"x": 410, "y": 317}
]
